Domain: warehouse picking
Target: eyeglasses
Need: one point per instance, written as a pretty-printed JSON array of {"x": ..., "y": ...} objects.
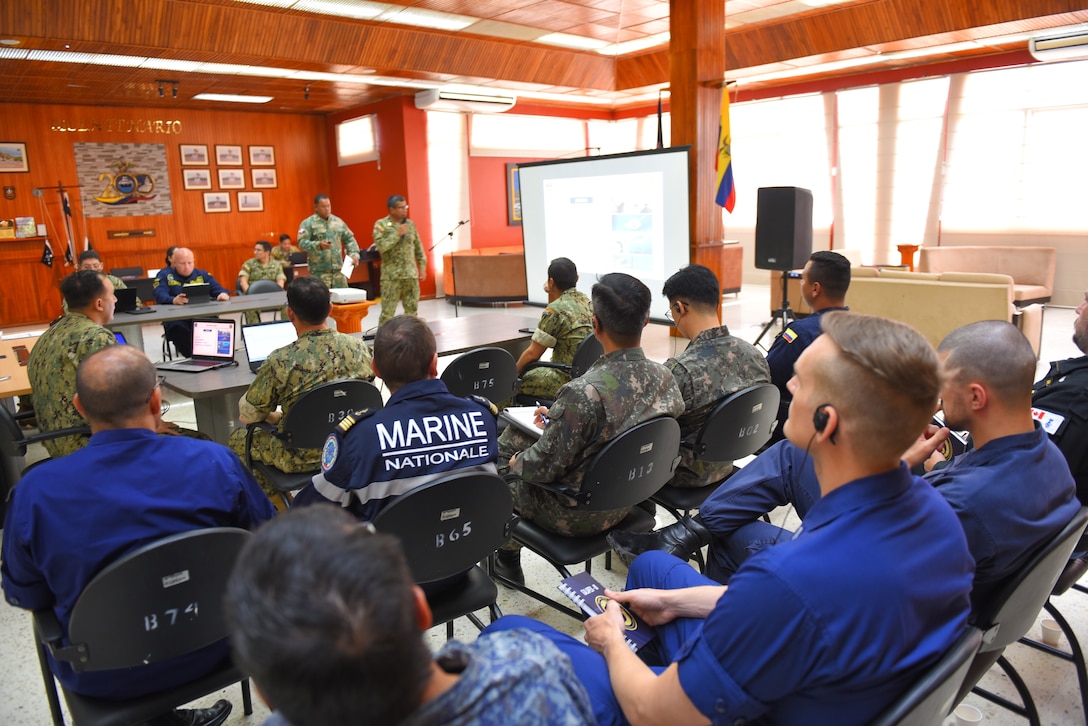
[
  {"x": 158, "y": 382},
  {"x": 677, "y": 308}
]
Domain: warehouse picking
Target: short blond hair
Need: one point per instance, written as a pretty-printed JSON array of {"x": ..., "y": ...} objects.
[{"x": 884, "y": 382}]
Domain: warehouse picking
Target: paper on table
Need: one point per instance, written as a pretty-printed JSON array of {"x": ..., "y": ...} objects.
[{"x": 347, "y": 267}]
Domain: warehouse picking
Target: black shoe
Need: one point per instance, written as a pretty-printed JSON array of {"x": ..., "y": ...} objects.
[
  {"x": 508, "y": 565},
  {"x": 648, "y": 507},
  {"x": 213, "y": 716},
  {"x": 681, "y": 539}
]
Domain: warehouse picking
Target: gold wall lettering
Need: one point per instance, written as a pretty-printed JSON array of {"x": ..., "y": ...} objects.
[{"x": 117, "y": 125}]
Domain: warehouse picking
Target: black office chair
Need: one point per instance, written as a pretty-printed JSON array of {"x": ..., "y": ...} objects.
[
  {"x": 447, "y": 527},
  {"x": 1011, "y": 611},
  {"x": 488, "y": 372},
  {"x": 1071, "y": 573},
  {"x": 256, "y": 288},
  {"x": 308, "y": 424},
  {"x": 110, "y": 624},
  {"x": 127, "y": 271},
  {"x": 628, "y": 470},
  {"x": 932, "y": 696},
  {"x": 13, "y": 443},
  {"x": 589, "y": 350}
]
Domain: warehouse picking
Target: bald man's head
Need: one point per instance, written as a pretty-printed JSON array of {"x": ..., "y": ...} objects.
[{"x": 115, "y": 385}]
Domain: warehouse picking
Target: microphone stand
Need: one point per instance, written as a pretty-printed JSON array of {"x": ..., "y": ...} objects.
[{"x": 453, "y": 272}]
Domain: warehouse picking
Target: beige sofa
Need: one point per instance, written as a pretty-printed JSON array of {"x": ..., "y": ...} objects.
[
  {"x": 1031, "y": 268},
  {"x": 937, "y": 304}
]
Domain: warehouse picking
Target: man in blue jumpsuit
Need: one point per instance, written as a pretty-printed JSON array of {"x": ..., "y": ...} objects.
[
  {"x": 1012, "y": 492},
  {"x": 169, "y": 290},
  {"x": 71, "y": 517},
  {"x": 824, "y": 283},
  {"x": 818, "y": 629},
  {"x": 422, "y": 434}
]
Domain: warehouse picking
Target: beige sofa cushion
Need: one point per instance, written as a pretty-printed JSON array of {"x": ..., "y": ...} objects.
[{"x": 1031, "y": 268}]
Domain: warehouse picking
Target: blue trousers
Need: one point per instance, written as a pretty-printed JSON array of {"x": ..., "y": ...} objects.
[{"x": 652, "y": 569}]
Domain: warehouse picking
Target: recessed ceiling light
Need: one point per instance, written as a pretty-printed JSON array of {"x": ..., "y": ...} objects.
[{"x": 232, "y": 98}]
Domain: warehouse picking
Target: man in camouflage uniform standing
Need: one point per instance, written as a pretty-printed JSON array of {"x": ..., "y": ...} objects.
[
  {"x": 404, "y": 263},
  {"x": 318, "y": 356},
  {"x": 58, "y": 353},
  {"x": 622, "y": 389},
  {"x": 259, "y": 267},
  {"x": 563, "y": 326},
  {"x": 712, "y": 367},
  {"x": 325, "y": 237}
]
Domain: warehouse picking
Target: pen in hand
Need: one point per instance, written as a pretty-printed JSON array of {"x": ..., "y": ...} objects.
[{"x": 541, "y": 416}]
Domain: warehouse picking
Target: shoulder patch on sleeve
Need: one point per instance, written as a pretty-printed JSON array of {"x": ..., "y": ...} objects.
[
  {"x": 330, "y": 452},
  {"x": 788, "y": 335},
  {"x": 1050, "y": 422}
]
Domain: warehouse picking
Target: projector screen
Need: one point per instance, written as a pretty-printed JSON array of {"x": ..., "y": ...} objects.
[{"x": 619, "y": 213}]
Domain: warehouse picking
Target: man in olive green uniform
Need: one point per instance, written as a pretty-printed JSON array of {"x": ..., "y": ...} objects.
[
  {"x": 259, "y": 267},
  {"x": 89, "y": 260},
  {"x": 318, "y": 356},
  {"x": 325, "y": 238},
  {"x": 564, "y": 325},
  {"x": 283, "y": 251},
  {"x": 622, "y": 389},
  {"x": 58, "y": 353},
  {"x": 404, "y": 263},
  {"x": 713, "y": 366}
]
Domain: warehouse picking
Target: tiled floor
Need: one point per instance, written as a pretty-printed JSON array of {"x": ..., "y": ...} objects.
[{"x": 1053, "y": 683}]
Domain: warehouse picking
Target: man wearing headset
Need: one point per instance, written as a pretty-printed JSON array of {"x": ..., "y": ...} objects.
[{"x": 818, "y": 629}]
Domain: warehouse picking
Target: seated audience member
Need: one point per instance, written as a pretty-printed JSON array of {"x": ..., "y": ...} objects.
[
  {"x": 320, "y": 355},
  {"x": 375, "y": 456},
  {"x": 1060, "y": 402},
  {"x": 283, "y": 251},
  {"x": 68, "y": 518},
  {"x": 714, "y": 366},
  {"x": 824, "y": 282},
  {"x": 59, "y": 351},
  {"x": 833, "y": 624},
  {"x": 90, "y": 260},
  {"x": 259, "y": 267},
  {"x": 169, "y": 290},
  {"x": 622, "y": 389},
  {"x": 170, "y": 255},
  {"x": 1012, "y": 492},
  {"x": 326, "y": 619},
  {"x": 563, "y": 326}
]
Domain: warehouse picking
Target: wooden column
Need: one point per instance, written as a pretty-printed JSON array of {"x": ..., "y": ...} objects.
[{"x": 696, "y": 73}]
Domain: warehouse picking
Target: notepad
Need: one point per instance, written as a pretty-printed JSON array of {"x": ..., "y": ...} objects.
[{"x": 588, "y": 594}]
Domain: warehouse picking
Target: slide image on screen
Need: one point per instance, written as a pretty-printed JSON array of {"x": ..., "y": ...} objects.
[{"x": 619, "y": 213}]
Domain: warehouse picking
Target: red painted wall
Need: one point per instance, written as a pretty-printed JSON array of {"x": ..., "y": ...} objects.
[
  {"x": 359, "y": 191},
  {"x": 487, "y": 201}
]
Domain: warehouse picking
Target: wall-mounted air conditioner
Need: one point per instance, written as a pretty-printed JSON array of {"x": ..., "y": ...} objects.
[
  {"x": 436, "y": 99},
  {"x": 1059, "y": 47}
]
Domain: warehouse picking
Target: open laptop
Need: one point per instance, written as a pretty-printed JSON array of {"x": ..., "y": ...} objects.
[
  {"x": 197, "y": 294},
  {"x": 128, "y": 302},
  {"x": 213, "y": 347},
  {"x": 264, "y": 338}
]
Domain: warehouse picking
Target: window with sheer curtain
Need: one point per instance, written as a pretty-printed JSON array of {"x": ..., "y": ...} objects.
[
  {"x": 547, "y": 137},
  {"x": 356, "y": 141},
  {"x": 447, "y": 158}
]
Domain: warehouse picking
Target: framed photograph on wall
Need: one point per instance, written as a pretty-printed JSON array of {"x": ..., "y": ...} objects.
[
  {"x": 194, "y": 154},
  {"x": 250, "y": 201},
  {"x": 216, "y": 202},
  {"x": 262, "y": 156},
  {"x": 228, "y": 155},
  {"x": 13, "y": 157},
  {"x": 513, "y": 195},
  {"x": 263, "y": 178},
  {"x": 231, "y": 179},
  {"x": 197, "y": 178}
]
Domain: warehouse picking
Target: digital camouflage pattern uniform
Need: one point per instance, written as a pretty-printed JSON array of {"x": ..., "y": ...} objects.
[
  {"x": 118, "y": 284},
  {"x": 326, "y": 264},
  {"x": 620, "y": 390},
  {"x": 254, "y": 270},
  {"x": 713, "y": 366},
  {"x": 52, "y": 372},
  {"x": 283, "y": 258},
  {"x": 564, "y": 325},
  {"x": 402, "y": 259},
  {"x": 317, "y": 357}
]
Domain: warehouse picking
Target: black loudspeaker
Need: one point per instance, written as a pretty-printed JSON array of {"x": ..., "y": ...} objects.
[{"x": 783, "y": 228}]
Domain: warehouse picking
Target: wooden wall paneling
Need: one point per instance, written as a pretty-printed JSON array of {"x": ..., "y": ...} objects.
[
  {"x": 30, "y": 291},
  {"x": 221, "y": 242}
]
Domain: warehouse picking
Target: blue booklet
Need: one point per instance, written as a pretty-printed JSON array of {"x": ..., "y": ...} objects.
[{"x": 588, "y": 594}]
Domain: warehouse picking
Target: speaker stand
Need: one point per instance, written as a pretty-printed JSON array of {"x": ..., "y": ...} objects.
[{"x": 783, "y": 313}]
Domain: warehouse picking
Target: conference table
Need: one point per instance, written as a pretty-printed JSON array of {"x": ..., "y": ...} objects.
[
  {"x": 13, "y": 377},
  {"x": 215, "y": 393},
  {"x": 131, "y": 325}
]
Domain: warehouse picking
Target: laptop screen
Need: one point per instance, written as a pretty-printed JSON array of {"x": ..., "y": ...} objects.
[
  {"x": 267, "y": 337},
  {"x": 120, "y": 338},
  {"x": 213, "y": 339}
]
